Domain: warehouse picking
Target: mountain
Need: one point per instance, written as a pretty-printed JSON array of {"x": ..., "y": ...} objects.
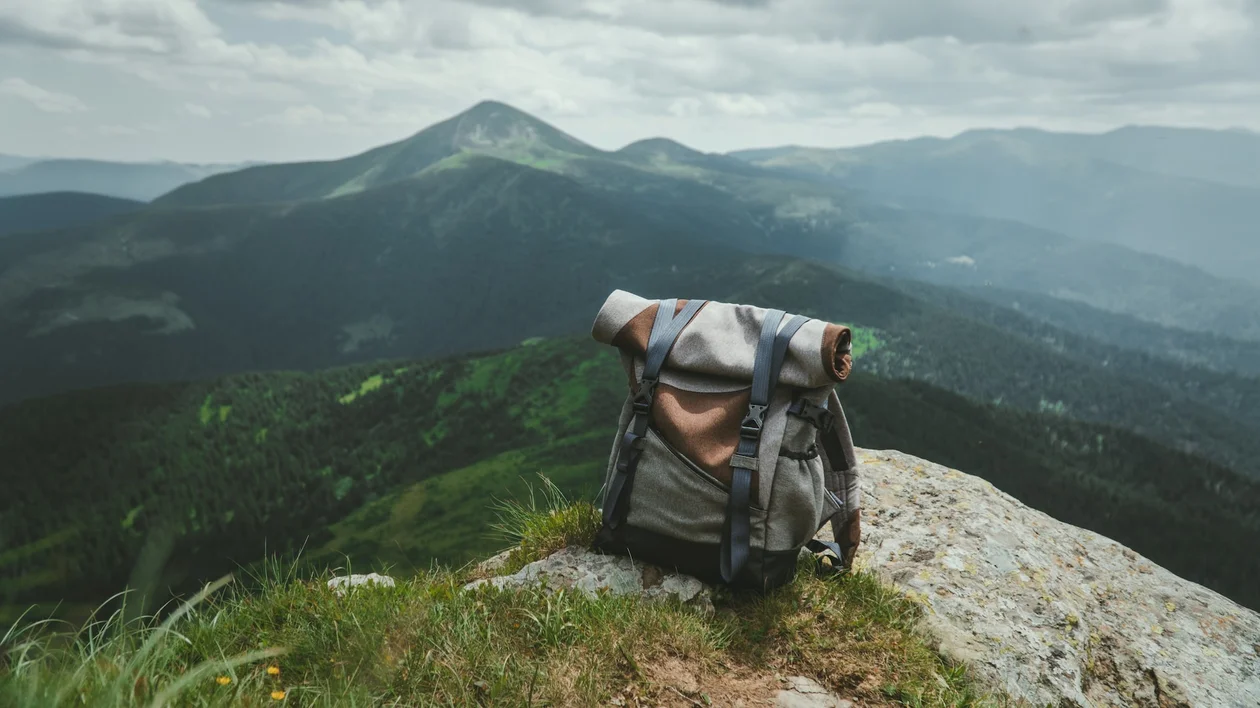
[
  {"x": 9, "y": 162},
  {"x": 485, "y": 254},
  {"x": 1219, "y": 156},
  {"x": 58, "y": 210},
  {"x": 489, "y": 128},
  {"x": 476, "y": 253},
  {"x": 398, "y": 463},
  {"x": 1146, "y": 189},
  {"x": 477, "y": 256},
  {"x": 777, "y": 211},
  {"x": 124, "y": 180},
  {"x": 1197, "y": 349}
]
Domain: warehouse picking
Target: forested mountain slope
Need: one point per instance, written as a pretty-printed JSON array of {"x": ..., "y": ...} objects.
[
  {"x": 196, "y": 478},
  {"x": 58, "y": 210}
]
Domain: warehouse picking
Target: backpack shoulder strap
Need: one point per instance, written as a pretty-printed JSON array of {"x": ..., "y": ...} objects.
[
  {"x": 771, "y": 351},
  {"x": 665, "y": 330}
]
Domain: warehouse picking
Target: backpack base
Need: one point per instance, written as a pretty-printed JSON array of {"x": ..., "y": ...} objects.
[{"x": 765, "y": 570}]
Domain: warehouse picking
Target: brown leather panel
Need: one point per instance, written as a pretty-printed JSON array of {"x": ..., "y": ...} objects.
[
  {"x": 628, "y": 365},
  {"x": 837, "y": 342},
  {"x": 703, "y": 427},
  {"x": 633, "y": 335}
]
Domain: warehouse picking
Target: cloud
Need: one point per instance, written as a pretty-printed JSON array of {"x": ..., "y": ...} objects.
[
  {"x": 316, "y": 76},
  {"x": 153, "y": 26},
  {"x": 851, "y": 20},
  {"x": 43, "y": 99},
  {"x": 306, "y": 115},
  {"x": 117, "y": 130}
]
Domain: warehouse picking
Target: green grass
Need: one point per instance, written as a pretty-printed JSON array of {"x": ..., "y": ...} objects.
[
  {"x": 538, "y": 531},
  {"x": 284, "y": 638}
]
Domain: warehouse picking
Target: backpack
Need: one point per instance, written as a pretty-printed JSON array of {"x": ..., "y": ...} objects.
[{"x": 732, "y": 449}]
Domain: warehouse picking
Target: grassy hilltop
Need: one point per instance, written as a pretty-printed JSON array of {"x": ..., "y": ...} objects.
[{"x": 280, "y": 638}]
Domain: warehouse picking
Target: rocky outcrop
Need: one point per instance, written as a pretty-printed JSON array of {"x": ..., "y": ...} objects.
[
  {"x": 1049, "y": 612},
  {"x": 582, "y": 570}
]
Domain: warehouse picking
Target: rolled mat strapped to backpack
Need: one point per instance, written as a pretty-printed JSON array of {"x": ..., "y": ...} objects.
[{"x": 732, "y": 449}]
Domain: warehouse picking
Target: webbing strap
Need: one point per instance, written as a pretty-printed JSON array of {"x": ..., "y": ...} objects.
[
  {"x": 665, "y": 330},
  {"x": 771, "y": 350},
  {"x": 828, "y": 557}
]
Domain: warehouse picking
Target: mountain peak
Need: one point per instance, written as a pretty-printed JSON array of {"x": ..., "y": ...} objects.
[
  {"x": 490, "y": 106},
  {"x": 493, "y": 125},
  {"x": 669, "y": 147}
]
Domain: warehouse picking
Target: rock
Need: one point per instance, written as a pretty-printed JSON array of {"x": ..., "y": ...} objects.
[
  {"x": 590, "y": 572},
  {"x": 1049, "y": 612},
  {"x": 341, "y": 585},
  {"x": 493, "y": 564},
  {"x": 804, "y": 692}
]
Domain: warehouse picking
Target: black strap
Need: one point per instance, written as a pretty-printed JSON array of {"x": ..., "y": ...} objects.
[
  {"x": 665, "y": 330},
  {"x": 818, "y": 416},
  {"x": 771, "y": 350},
  {"x": 828, "y": 558}
]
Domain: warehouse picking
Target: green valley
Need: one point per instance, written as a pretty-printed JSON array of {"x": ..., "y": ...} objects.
[{"x": 400, "y": 463}]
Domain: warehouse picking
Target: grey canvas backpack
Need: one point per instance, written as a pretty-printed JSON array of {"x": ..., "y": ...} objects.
[{"x": 732, "y": 450}]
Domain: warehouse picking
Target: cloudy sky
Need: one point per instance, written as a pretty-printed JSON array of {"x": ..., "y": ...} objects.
[{"x": 228, "y": 80}]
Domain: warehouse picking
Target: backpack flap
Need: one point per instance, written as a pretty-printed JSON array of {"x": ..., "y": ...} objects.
[{"x": 721, "y": 341}]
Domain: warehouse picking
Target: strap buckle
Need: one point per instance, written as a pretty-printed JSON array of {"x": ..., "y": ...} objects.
[
  {"x": 642, "y": 402},
  {"x": 821, "y": 418},
  {"x": 750, "y": 427}
]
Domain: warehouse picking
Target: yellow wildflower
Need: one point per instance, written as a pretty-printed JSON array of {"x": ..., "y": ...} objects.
[
  {"x": 277, "y": 695},
  {"x": 273, "y": 670},
  {"x": 224, "y": 680}
]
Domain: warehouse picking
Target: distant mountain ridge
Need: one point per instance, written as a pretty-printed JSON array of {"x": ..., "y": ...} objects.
[
  {"x": 1189, "y": 195},
  {"x": 58, "y": 210},
  {"x": 139, "y": 181},
  {"x": 9, "y": 162}
]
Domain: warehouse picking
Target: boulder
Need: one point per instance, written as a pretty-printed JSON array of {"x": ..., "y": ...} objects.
[
  {"x": 589, "y": 572},
  {"x": 1046, "y": 611}
]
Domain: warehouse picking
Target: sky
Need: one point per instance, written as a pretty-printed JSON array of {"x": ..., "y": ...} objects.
[{"x": 280, "y": 80}]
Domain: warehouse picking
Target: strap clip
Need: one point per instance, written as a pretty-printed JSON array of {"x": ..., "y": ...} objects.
[
  {"x": 817, "y": 416},
  {"x": 750, "y": 427},
  {"x": 642, "y": 402}
]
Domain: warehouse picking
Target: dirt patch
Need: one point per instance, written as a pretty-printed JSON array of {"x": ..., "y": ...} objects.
[{"x": 673, "y": 682}]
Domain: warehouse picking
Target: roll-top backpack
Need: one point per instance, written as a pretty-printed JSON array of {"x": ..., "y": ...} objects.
[{"x": 732, "y": 449}]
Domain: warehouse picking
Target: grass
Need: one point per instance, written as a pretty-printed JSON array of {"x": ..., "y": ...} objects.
[
  {"x": 280, "y": 638},
  {"x": 538, "y": 531}
]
